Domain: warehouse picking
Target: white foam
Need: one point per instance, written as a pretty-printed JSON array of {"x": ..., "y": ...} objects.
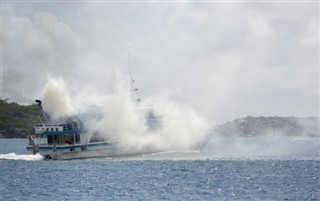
[
  {"x": 26, "y": 157},
  {"x": 174, "y": 152}
]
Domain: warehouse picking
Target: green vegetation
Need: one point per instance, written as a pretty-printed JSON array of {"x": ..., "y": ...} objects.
[{"x": 16, "y": 120}]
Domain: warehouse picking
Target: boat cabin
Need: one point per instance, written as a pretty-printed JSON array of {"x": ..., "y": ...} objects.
[{"x": 62, "y": 133}]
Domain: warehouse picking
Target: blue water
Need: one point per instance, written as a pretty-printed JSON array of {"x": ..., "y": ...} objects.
[{"x": 185, "y": 175}]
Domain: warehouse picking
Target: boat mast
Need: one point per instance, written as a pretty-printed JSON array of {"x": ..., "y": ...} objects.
[
  {"x": 132, "y": 89},
  {"x": 131, "y": 80}
]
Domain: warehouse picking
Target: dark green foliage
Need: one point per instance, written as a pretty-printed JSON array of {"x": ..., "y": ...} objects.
[{"x": 17, "y": 120}]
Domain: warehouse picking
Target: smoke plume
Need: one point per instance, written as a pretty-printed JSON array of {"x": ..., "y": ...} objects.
[
  {"x": 125, "y": 120},
  {"x": 55, "y": 98}
]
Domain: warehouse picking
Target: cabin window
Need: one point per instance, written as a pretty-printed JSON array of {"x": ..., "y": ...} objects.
[
  {"x": 51, "y": 129},
  {"x": 77, "y": 138},
  {"x": 56, "y": 129},
  {"x": 49, "y": 139},
  {"x": 69, "y": 126},
  {"x": 47, "y": 129}
]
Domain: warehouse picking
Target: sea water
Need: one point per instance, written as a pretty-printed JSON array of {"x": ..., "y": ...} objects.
[{"x": 226, "y": 169}]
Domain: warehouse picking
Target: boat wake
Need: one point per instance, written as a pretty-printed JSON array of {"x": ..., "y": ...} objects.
[
  {"x": 172, "y": 155},
  {"x": 174, "y": 152},
  {"x": 25, "y": 157}
]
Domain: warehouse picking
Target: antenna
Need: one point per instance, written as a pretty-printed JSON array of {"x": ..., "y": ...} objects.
[
  {"x": 131, "y": 80},
  {"x": 132, "y": 89}
]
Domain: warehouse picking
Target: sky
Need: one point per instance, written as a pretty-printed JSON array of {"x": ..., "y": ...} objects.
[{"x": 226, "y": 60}]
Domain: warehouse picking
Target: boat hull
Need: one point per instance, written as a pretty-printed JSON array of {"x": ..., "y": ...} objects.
[
  {"x": 92, "y": 150},
  {"x": 97, "y": 153}
]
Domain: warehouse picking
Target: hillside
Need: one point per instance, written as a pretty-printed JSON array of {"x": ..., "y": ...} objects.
[
  {"x": 283, "y": 126},
  {"x": 16, "y": 120}
]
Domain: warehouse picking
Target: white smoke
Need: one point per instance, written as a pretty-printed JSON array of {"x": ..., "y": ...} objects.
[
  {"x": 262, "y": 146},
  {"x": 180, "y": 126},
  {"x": 124, "y": 120},
  {"x": 221, "y": 60},
  {"x": 55, "y": 98}
]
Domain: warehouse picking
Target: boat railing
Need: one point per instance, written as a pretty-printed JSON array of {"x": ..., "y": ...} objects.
[{"x": 65, "y": 127}]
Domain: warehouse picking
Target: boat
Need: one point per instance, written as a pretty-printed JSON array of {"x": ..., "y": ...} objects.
[{"x": 67, "y": 139}]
